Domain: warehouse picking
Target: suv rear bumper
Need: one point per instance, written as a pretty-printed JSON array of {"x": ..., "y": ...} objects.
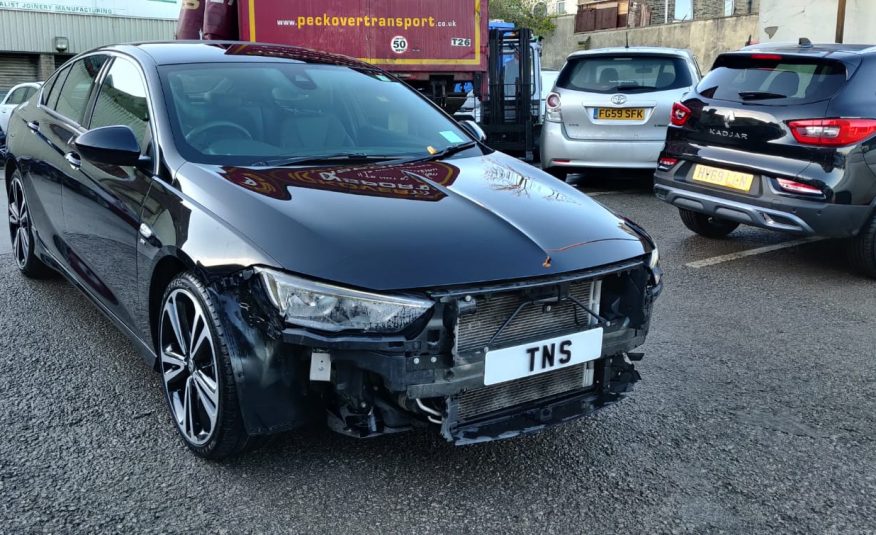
[
  {"x": 576, "y": 153},
  {"x": 772, "y": 212}
]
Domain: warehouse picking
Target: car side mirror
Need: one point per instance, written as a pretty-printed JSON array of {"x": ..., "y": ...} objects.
[
  {"x": 474, "y": 129},
  {"x": 113, "y": 145}
]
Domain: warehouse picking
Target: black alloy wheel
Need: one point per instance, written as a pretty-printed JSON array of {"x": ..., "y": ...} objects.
[
  {"x": 21, "y": 231},
  {"x": 196, "y": 372}
]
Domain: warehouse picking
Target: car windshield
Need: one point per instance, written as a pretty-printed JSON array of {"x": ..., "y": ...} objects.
[
  {"x": 770, "y": 79},
  {"x": 249, "y": 114},
  {"x": 628, "y": 73}
]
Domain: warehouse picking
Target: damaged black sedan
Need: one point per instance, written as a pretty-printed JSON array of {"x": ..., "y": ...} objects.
[{"x": 290, "y": 236}]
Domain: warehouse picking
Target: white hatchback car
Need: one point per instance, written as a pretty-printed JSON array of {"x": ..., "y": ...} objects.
[
  {"x": 610, "y": 107},
  {"x": 16, "y": 96}
]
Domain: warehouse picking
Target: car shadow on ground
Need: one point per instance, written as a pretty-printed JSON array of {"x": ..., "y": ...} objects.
[
  {"x": 613, "y": 180},
  {"x": 394, "y": 461}
]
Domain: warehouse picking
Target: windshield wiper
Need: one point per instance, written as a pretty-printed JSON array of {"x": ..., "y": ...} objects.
[
  {"x": 760, "y": 95},
  {"x": 345, "y": 157},
  {"x": 444, "y": 153}
]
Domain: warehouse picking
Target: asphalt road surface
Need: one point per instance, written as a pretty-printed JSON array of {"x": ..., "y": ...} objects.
[{"x": 757, "y": 414}]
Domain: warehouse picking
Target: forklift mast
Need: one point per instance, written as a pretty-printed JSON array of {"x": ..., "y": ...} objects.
[{"x": 509, "y": 110}]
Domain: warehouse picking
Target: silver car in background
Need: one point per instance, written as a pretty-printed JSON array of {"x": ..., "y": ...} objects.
[
  {"x": 610, "y": 107},
  {"x": 13, "y": 98},
  {"x": 548, "y": 79}
]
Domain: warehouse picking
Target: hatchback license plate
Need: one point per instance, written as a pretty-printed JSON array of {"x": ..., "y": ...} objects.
[
  {"x": 524, "y": 360},
  {"x": 619, "y": 114},
  {"x": 723, "y": 177}
]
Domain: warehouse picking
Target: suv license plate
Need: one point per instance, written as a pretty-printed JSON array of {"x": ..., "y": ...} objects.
[
  {"x": 723, "y": 177},
  {"x": 524, "y": 360},
  {"x": 619, "y": 114}
]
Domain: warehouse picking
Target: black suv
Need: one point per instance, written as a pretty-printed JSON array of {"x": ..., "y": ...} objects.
[{"x": 782, "y": 138}]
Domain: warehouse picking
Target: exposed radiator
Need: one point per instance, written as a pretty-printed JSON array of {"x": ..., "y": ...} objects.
[
  {"x": 474, "y": 403},
  {"x": 533, "y": 322}
]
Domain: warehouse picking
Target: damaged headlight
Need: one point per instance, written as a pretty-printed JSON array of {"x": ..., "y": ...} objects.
[
  {"x": 654, "y": 265},
  {"x": 654, "y": 260},
  {"x": 332, "y": 308}
]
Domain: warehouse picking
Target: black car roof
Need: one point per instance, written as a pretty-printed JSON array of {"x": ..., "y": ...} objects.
[
  {"x": 177, "y": 52},
  {"x": 817, "y": 49}
]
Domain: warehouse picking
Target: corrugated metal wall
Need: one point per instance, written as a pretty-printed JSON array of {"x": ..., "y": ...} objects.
[
  {"x": 16, "y": 69},
  {"x": 29, "y": 31}
]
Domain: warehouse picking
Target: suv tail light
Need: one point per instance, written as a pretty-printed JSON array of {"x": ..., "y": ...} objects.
[
  {"x": 666, "y": 162},
  {"x": 680, "y": 114},
  {"x": 832, "y": 132},
  {"x": 797, "y": 187},
  {"x": 553, "y": 108}
]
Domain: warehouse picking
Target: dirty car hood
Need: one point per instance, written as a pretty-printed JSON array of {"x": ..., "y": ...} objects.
[{"x": 418, "y": 225}]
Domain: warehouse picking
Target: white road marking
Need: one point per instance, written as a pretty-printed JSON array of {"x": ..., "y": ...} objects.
[{"x": 751, "y": 252}]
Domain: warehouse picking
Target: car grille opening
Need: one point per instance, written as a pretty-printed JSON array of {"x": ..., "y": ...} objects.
[
  {"x": 481, "y": 401},
  {"x": 534, "y": 321}
]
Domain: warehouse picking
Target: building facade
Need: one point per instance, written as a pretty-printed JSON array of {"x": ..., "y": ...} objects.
[
  {"x": 789, "y": 20},
  {"x": 667, "y": 11},
  {"x": 37, "y": 37},
  {"x": 562, "y": 7}
]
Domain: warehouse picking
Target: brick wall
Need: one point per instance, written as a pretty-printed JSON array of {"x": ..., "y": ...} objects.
[
  {"x": 743, "y": 7},
  {"x": 710, "y": 9},
  {"x": 657, "y": 10},
  {"x": 703, "y": 9}
]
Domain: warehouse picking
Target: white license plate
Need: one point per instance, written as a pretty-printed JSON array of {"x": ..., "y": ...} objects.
[{"x": 516, "y": 362}]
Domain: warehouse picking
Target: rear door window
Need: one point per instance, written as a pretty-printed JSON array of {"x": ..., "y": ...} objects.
[
  {"x": 773, "y": 79},
  {"x": 52, "y": 88},
  {"x": 628, "y": 73},
  {"x": 73, "y": 98}
]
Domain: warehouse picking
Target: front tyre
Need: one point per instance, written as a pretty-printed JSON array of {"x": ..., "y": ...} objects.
[
  {"x": 196, "y": 372},
  {"x": 21, "y": 232},
  {"x": 862, "y": 250},
  {"x": 705, "y": 225}
]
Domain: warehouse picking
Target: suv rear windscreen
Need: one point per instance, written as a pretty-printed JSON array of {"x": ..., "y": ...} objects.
[
  {"x": 772, "y": 79},
  {"x": 627, "y": 73}
]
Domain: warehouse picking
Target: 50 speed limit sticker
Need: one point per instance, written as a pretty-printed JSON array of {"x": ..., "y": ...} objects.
[{"x": 399, "y": 44}]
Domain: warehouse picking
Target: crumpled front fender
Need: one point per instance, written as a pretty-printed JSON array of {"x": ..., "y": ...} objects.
[{"x": 271, "y": 377}]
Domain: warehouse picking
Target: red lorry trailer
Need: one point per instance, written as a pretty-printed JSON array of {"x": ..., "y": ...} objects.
[{"x": 432, "y": 45}]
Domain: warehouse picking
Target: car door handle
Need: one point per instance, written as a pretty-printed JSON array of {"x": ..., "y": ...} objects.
[
  {"x": 73, "y": 159},
  {"x": 34, "y": 125}
]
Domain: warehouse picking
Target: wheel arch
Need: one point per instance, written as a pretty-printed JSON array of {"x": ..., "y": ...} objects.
[
  {"x": 10, "y": 167},
  {"x": 166, "y": 269}
]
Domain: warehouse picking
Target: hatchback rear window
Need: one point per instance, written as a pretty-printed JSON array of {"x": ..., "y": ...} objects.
[
  {"x": 772, "y": 79},
  {"x": 628, "y": 73}
]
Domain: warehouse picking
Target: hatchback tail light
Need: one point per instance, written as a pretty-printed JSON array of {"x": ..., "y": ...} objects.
[
  {"x": 680, "y": 114},
  {"x": 553, "y": 108},
  {"x": 767, "y": 57},
  {"x": 832, "y": 132},
  {"x": 797, "y": 187}
]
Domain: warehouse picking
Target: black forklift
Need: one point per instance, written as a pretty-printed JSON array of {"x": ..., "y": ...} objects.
[{"x": 511, "y": 109}]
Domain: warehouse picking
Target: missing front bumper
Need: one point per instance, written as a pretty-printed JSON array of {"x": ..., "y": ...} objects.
[{"x": 614, "y": 377}]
